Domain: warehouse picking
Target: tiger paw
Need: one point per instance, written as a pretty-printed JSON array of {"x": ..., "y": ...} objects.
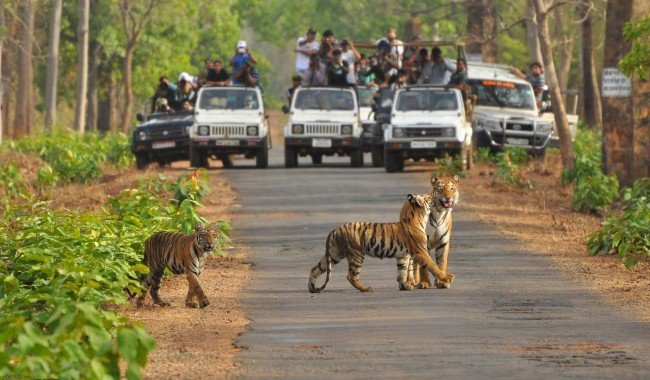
[
  {"x": 204, "y": 303},
  {"x": 405, "y": 286},
  {"x": 192, "y": 304},
  {"x": 424, "y": 285}
]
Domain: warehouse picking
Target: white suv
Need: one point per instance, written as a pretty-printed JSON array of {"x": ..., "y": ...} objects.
[
  {"x": 229, "y": 120},
  {"x": 323, "y": 121},
  {"x": 427, "y": 122}
]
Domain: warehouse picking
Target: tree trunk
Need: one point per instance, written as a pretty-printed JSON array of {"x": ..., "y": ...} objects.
[
  {"x": 559, "y": 111},
  {"x": 53, "y": 65},
  {"x": 93, "y": 75},
  {"x": 125, "y": 122},
  {"x": 565, "y": 30},
  {"x": 82, "y": 67},
  {"x": 2, "y": 43},
  {"x": 531, "y": 34},
  {"x": 618, "y": 131},
  {"x": 591, "y": 101},
  {"x": 23, "y": 117},
  {"x": 481, "y": 28}
]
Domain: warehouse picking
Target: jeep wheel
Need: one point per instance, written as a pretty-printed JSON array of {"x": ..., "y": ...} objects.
[
  {"x": 377, "y": 153},
  {"x": 317, "y": 158},
  {"x": 141, "y": 161},
  {"x": 198, "y": 158},
  {"x": 393, "y": 163},
  {"x": 262, "y": 158},
  {"x": 290, "y": 157},
  {"x": 356, "y": 157}
]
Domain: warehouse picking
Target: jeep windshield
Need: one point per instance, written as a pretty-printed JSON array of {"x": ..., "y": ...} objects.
[
  {"x": 228, "y": 98},
  {"x": 366, "y": 96},
  {"x": 324, "y": 99},
  {"x": 427, "y": 100},
  {"x": 494, "y": 93}
]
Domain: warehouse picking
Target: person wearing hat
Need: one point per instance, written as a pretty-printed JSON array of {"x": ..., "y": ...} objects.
[
  {"x": 241, "y": 63},
  {"x": 295, "y": 83},
  {"x": 316, "y": 73},
  {"x": 305, "y": 47},
  {"x": 162, "y": 106},
  {"x": 338, "y": 69}
]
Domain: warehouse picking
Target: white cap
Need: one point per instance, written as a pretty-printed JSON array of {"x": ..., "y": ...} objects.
[
  {"x": 187, "y": 77},
  {"x": 241, "y": 44}
]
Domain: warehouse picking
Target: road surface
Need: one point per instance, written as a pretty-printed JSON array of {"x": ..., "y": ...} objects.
[{"x": 509, "y": 313}]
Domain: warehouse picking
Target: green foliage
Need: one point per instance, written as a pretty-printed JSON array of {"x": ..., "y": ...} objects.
[
  {"x": 627, "y": 235},
  {"x": 61, "y": 270},
  {"x": 73, "y": 157},
  {"x": 11, "y": 181},
  {"x": 482, "y": 155},
  {"x": 450, "y": 166},
  {"x": 509, "y": 166},
  {"x": 637, "y": 60}
]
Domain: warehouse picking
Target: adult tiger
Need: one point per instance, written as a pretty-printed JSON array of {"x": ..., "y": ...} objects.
[
  {"x": 403, "y": 240},
  {"x": 445, "y": 194},
  {"x": 181, "y": 253}
]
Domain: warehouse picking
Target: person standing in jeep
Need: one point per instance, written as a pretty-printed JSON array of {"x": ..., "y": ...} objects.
[
  {"x": 305, "y": 47},
  {"x": 535, "y": 77},
  {"x": 337, "y": 72}
]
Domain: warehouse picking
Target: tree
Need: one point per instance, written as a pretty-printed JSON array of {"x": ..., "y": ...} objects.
[
  {"x": 23, "y": 116},
  {"x": 559, "y": 111},
  {"x": 2, "y": 38},
  {"x": 135, "y": 17},
  {"x": 625, "y": 122},
  {"x": 82, "y": 67},
  {"x": 590, "y": 89},
  {"x": 53, "y": 64},
  {"x": 531, "y": 34},
  {"x": 481, "y": 29}
]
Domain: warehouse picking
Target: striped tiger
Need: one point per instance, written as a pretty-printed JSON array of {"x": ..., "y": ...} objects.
[
  {"x": 445, "y": 196},
  {"x": 182, "y": 254},
  {"x": 403, "y": 240}
]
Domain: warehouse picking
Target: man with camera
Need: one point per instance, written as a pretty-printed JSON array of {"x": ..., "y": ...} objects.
[
  {"x": 166, "y": 90},
  {"x": 395, "y": 46},
  {"x": 326, "y": 46},
  {"x": 305, "y": 47},
  {"x": 338, "y": 69},
  {"x": 242, "y": 66},
  {"x": 316, "y": 73}
]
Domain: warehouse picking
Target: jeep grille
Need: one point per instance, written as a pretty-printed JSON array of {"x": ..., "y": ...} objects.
[
  {"x": 423, "y": 132},
  {"x": 322, "y": 129},
  {"x": 229, "y": 130}
]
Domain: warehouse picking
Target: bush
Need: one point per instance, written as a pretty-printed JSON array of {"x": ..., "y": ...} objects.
[
  {"x": 627, "y": 235},
  {"x": 483, "y": 155},
  {"x": 11, "y": 181},
  {"x": 508, "y": 171},
  {"x": 60, "y": 272},
  {"x": 450, "y": 166}
]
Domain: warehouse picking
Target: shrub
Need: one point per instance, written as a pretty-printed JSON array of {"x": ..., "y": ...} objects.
[
  {"x": 483, "y": 155},
  {"x": 516, "y": 156},
  {"x": 450, "y": 166},
  {"x": 508, "y": 171},
  {"x": 11, "y": 181},
  {"x": 627, "y": 235},
  {"x": 595, "y": 193}
]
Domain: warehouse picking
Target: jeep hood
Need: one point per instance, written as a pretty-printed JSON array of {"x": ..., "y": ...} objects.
[
  {"x": 500, "y": 113},
  {"x": 228, "y": 117},
  {"x": 436, "y": 118},
  {"x": 312, "y": 116}
]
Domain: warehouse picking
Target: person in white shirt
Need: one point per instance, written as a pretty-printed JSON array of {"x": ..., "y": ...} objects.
[
  {"x": 351, "y": 55},
  {"x": 305, "y": 47},
  {"x": 396, "y": 46}
]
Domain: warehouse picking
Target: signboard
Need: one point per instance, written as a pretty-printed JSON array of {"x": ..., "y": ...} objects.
[{"x": 616, "y": 84}]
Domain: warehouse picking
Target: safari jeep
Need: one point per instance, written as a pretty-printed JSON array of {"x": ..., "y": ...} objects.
[
  {"x": 229, "y": 120},
  {"x": 506, "y": 113},
  {"x": 162, "y": 138},
  {"x": 427, "y": 122},
  {"x": 323, "y": 121}
]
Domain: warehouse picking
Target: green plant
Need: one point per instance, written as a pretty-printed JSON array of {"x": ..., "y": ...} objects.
[
  {"x": 508, "y": 173},
  {"x": 516, "y": 156},
  {"x": 587, "y": 147},
  {"x": 483, "y": 155},
  {"x": 11, "y": 180},
  {"x": 46, "y": 177},
  {"x": 595, "y": 193},
  {"x": 450, "y": 166},
  {"x": 627, "y": 235}
]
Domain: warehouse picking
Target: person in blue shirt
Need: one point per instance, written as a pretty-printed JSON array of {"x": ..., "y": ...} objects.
[{"x": 242, "y": 65}]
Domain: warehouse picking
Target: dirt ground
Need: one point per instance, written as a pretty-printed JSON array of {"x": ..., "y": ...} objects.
[{"x": 543, "y": 220}]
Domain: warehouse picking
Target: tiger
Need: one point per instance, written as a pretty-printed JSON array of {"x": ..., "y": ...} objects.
[
  {"x": 402, "y": 240},
  {"x": 445, "y": 194},
  {"x": 181, "y": 253}
]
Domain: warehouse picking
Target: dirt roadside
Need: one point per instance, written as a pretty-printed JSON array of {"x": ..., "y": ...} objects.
[{"x": 542, "y": 219}]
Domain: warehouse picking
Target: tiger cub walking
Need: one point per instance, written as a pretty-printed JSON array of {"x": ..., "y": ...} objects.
[
  {"x": 403, "y": 240},
  {"x": 445, "y": 196},
  {"x": 181, "y": 253}
]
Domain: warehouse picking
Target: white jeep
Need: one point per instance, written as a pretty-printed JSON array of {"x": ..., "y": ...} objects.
[
  {"x": 506, "y": 113},
  {"x": 427, "y": 122},
  {"x": 229, "y": 120},
  {"x": 323, "y": 121}
]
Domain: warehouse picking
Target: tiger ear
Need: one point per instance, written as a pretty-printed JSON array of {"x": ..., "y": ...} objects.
[
  {"x": 434, "y": 180},
  {"x": 198, "y": 226},
  {"x": 456, "y": 179},
  {"x": 409, "y": 197}
]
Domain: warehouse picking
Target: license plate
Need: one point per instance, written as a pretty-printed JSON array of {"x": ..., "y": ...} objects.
[
  {"x": 321, "y": 143},
  {"x": 163, "y": 144},
  {"x": 423, "y": 144},
  {"x": 227, "y": 142},
  {"x": 514, "y": 141}
]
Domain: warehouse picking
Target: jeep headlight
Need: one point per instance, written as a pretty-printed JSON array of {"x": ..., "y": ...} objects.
[
  {"x": 488, "y": 124},
  {"x": 398, "y": 132},
  {"x": 297, "y": 129},
  {"x": 346, "y": 129},
  {"x": 251, "y": 130},
  {"x": 385, "y": 126},
  {"x": 203, "y": 130},
  {"x": 449, "y": 132},
  {"x": 544, "y": 127},
  {"x": 142, "y": 135}
]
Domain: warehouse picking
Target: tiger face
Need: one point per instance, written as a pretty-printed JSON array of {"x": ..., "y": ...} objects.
[
  {"x": 420, "y": 204},
  {"x": 205, "y": 237},
  {"x": 445, "y": 192}
]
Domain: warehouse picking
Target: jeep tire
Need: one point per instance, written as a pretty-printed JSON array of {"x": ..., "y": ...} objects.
[
  {"x": 198, "y": 158},
  {"x": 316, "y": 158},
  {"x": 262, "y": 157},
  {"x": 356, "y": 157},
  {"x": 290, "y": 157},
  {"x": 377, "y": 153},
  {"x": 393, "y": 163},
  {"x": 141, "y": 161}
]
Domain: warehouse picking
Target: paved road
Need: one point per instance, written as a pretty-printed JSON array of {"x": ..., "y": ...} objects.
[{"x": 508, "y": 313}]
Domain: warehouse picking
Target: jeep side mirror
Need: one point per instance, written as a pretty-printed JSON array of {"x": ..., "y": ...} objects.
[
  {"x": 139, "y": 117},
  {"x": 285, "y": 108}
]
